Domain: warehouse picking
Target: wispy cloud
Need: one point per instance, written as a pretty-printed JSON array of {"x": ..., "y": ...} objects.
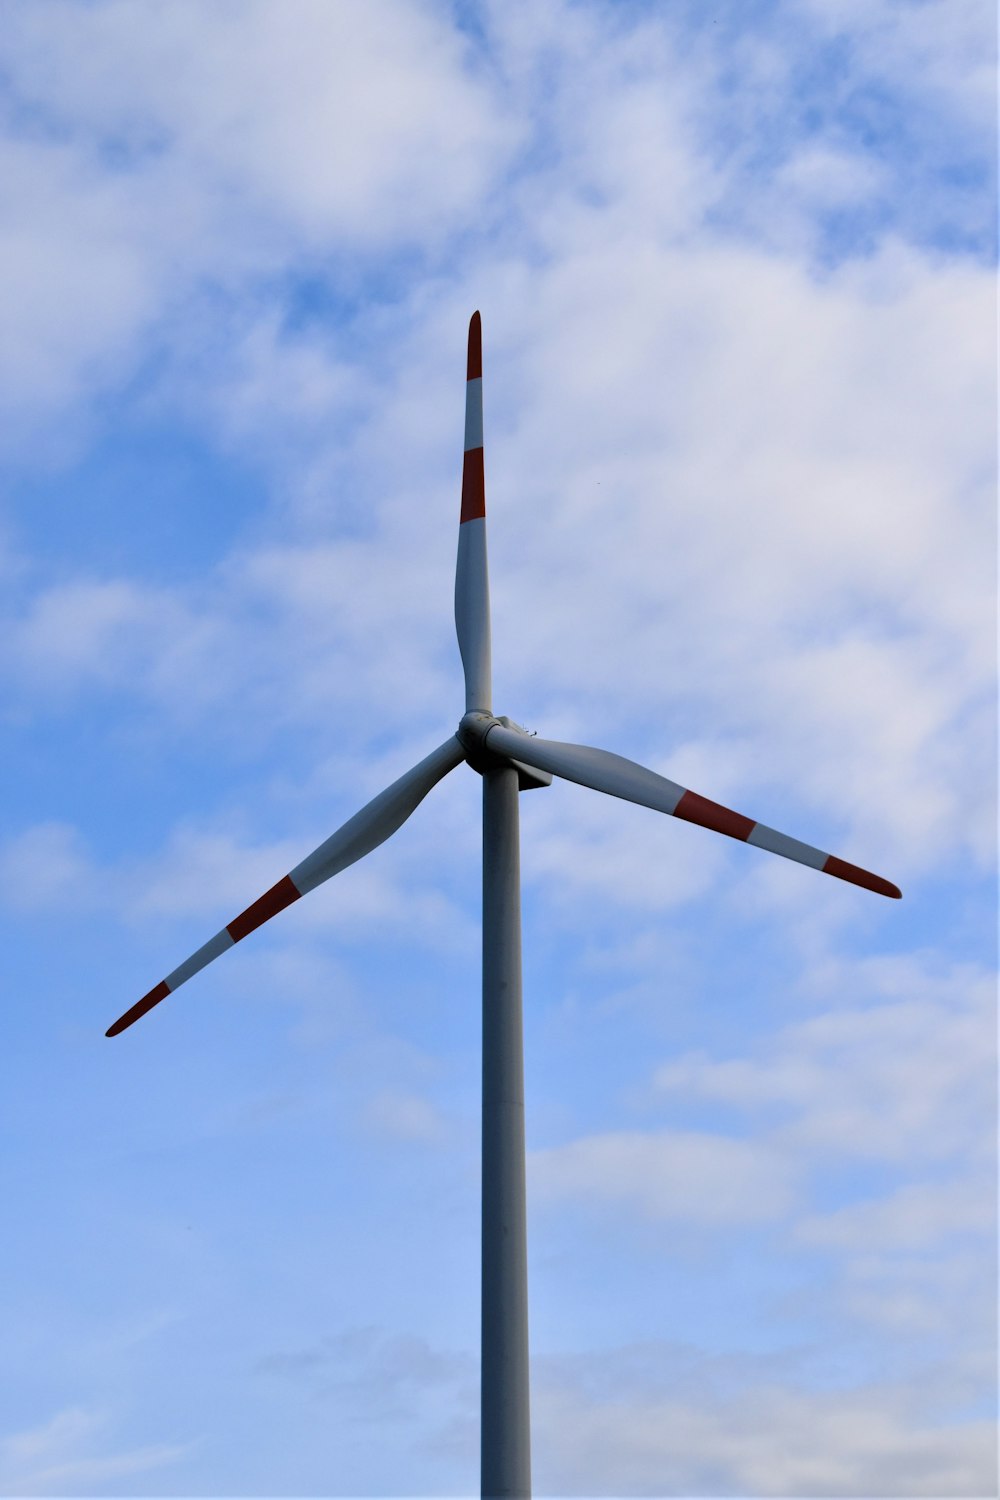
[
  {"x": 909, "y": 1080},
  {"x": 767, "y": 1438},
  {"x": 58, "y": 1458},
  {"x": 672, "y": 1175}
]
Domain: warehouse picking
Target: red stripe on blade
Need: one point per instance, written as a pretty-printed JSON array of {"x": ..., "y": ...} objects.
[
  {"x": 265, "y": 907},
  {"x": 473, "y": 486},
  {"x": 475, "y": 365},
  {"x": 695, "y": 809},
  {"x": 139, "y": 1008},
  {"x": 857, "y": 876}
]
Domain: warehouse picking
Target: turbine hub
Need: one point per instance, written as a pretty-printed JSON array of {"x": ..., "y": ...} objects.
[{"x": 473, "y": 731}]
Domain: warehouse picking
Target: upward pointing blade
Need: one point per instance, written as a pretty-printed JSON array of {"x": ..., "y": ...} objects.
[
  {"x": 472, "y": 584},
  {"x": 618, "y": 777},
  {"x": 358, "y": 837}
]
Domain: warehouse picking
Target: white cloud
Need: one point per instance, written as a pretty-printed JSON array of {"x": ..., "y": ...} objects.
[
  {"x": 53, "y": 1459},
  {"x": 214, "y": 144},
  {"x": 908, "y": 1081},
  {"x": 745, "y": 517},
  {"x": 941, "y": 53},
  {"x": 80, "y": 287},
  {"x": 686, "y": 1176},
  {"x": 213, "y": 873},
  {"x": 827, "y": 178},
  {"x": 907, "y": 1085},
  {"x": 47, "y": 868},
  {"x": 234, "y": 642},
  {"x": 91, "y": 632},
  {"x": 913, "y": 1218},
  {"x": 405, "y": 1116},
  {"x": 372, "y": 126},
  {"x": 918, "y": 1263},
  {"x": 946, "y": 1298},
  {"x": 767, "y": 1440}
]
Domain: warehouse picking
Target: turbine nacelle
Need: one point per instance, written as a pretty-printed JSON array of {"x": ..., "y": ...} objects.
[{"x": 473, "y": 732}]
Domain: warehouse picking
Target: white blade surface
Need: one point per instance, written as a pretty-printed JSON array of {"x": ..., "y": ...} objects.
[
  {"x": 472, "y": 583},
  {"x": 358, "y": 837},
  {"x": 605, "y": 772}
]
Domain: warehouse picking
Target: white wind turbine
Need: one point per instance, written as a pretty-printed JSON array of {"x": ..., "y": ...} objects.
[{"x": 509, "y": 760}]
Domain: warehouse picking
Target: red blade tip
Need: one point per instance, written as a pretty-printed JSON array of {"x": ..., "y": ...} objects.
[
  {"x": 864, "y": 878},
  {"x": 139, "y": 1009},
  {"x": 475, "y": 366}
]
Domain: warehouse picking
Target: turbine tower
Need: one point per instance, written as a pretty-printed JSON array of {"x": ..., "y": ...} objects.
[{"x": 509, "y": 760}]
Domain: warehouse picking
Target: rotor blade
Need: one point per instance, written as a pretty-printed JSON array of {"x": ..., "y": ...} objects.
[
  {"x": 358, "y": 837},
  {"x": 472, "y": 583},
  {"x": 619, "y": 777}
]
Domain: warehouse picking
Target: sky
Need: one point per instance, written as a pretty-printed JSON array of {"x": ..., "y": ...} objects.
[{"x": 736, "y": 268}]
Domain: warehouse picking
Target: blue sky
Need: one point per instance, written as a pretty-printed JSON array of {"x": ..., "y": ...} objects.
[{"x": 736, "y": 266}]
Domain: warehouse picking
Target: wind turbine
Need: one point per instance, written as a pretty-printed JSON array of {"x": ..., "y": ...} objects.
[{"x": 509, "y": 760}]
